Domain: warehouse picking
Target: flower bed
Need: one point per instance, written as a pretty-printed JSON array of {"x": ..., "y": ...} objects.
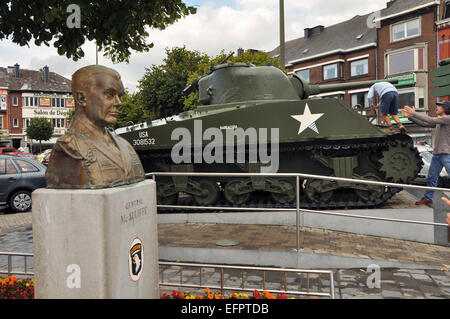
[
  {"x": 210, "y": 295},
  {"x": 13, "y": 288}
]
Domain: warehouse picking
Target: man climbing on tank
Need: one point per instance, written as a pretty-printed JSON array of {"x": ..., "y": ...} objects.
[
  {"x": 441, "y": 152},
  {"x": 388, "y": 95}
]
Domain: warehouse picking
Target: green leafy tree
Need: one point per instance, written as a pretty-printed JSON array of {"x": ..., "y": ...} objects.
[
  {"x": 162, "y": 85},
  {"x": 40, "y": 129},
  {"x": 70, "y": 115},
  {"x": 131, "y": 110},
  {"x": 161, "y": 88},
  {"x": 117, "y": 26}
]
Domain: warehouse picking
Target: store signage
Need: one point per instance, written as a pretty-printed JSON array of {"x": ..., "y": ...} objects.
[
  {"x": 405, "y": 79},
  {"x": 69, "y": 103},
  {"x": 43, "y": 94},
  {"x": 403, "y": 119},
  {"x": 3, "y": 99},
  {"x": 29, "y": 112},
  {"x": 44, "y": 101}
]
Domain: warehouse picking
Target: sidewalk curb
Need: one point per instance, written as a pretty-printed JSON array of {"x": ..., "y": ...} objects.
[{"x": 282, "y": 259}]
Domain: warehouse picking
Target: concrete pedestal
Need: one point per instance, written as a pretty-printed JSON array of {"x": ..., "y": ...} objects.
[{"x": 96, "y": 243}]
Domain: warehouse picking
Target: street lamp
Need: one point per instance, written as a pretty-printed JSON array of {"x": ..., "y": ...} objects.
[{"x": 282, "y": 48}]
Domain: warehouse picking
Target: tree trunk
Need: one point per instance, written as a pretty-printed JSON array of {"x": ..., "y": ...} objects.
[{"x": 40, "y": 146}]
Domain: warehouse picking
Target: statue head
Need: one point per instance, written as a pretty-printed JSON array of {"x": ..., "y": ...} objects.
[{"x": 97, "y": 90}]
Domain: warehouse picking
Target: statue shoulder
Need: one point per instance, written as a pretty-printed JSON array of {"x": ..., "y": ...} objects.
[
  {"x": 69, "y": 144},
  {"x": 123, "y": 141}
]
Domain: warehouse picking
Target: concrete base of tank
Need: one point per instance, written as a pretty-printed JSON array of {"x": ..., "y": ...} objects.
[
  {"x": 269, "y": 238},
  {"x": 401, "y": 206}
]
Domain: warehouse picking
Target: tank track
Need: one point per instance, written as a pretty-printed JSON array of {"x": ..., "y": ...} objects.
[{"x": 339, "y": 200}]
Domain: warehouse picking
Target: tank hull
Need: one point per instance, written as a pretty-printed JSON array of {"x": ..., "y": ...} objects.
[{"x": 319, "y": 137}]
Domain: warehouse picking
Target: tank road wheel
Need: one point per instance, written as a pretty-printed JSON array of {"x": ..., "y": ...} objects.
[
  {"x": 400, "y": 163},
  {"x": 288, "y": 193},
  {"x": 168, "y": 200},
  {"x": 234, "y": 194},
  {"x": 210, "y": 193},
  {"x": 319, "y": 190},
  {"x": 165, "y": 195},
  {"x": 371, "y": 192}
]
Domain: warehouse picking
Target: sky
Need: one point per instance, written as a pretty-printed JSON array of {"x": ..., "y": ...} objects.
[{"x": 217, "y": 25}]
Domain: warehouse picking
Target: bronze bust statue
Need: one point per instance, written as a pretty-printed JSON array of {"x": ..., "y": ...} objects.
[{"x": 89, "y": 155}]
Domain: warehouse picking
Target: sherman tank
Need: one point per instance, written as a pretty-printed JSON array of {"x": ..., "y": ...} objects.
[{"x": 258, "y": 119}]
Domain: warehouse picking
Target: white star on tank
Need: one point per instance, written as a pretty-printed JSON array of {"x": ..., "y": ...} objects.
[{"x": 307, "y": 120}]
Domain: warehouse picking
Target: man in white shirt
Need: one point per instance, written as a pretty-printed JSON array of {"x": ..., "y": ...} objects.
[{"x": 388, "y": 95}]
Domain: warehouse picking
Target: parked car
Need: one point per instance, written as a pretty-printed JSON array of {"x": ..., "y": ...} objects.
[
  {"x": 19, "y": 176},
  {"x": 40, "y": 157},
  {"x": 14, "y": 151},
  {"x": 426, "y": 152},
  {"x": 46, "y": 158}
]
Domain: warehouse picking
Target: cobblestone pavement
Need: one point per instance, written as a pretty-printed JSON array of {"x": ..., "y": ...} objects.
[
  {"x": 348, "y": 283},
  {"x": 10, "y": 221},
  {"x": 16, "y": 235},
  {"x": 283, "y": 238}
]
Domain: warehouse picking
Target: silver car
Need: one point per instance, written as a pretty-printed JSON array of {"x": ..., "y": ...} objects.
[
  {"x": 426, "y": 152},
  {"x": 19, "y": 176}
]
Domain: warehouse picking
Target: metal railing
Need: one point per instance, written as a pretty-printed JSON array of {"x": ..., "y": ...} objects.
[
  {"x": 202, "y": 284},
  {"x": 222, "y": 287},
  {"x": 10, "y": 271},
  {"x": 299, "y": 211}
]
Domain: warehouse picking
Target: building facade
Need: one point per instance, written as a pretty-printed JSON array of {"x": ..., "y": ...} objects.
[
  {"x": 407, "y": 50},
  {"x": 443, "y": 25},
  {"x": 345, "y": 52},
  {"x": 28, "y": 94},
  {"x": 400, "y": 42}
]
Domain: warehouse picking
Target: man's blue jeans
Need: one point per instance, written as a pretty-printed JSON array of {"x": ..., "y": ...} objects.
[{"x": 437, "y": 163}]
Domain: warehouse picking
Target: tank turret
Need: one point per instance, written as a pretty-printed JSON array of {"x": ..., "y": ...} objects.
[{"x": 236, "y": 82}]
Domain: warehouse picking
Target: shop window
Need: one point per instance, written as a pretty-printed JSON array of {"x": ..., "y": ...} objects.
[
  {"x": 359, "y": 67},
  {"x": 421, "y": 97},
  {"x": 58, "y": 102},
  {"x": 58, "y": 123},
  {"x": 407, "y": 97}
]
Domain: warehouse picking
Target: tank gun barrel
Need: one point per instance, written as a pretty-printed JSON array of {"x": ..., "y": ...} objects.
[{"x": 317, "y": 89}]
